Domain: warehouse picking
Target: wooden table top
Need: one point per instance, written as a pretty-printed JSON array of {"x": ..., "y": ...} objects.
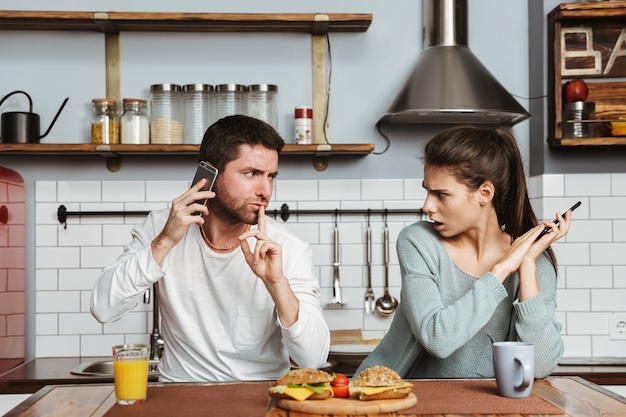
[{"x": 572, "y": 395}]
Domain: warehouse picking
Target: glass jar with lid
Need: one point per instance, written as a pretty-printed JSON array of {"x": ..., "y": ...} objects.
[
  {"x": 261, "y": 103},
  {"x": 166, "y": 121},
  {"x": 230, "y": 99},
  {"x": 198, "y": 111},
  {"x": 134, "y": 122},
  {"x": 105, "y": 125}
]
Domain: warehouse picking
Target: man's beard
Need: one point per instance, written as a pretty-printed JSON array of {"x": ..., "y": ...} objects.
[{"x": 226, "y": 208}]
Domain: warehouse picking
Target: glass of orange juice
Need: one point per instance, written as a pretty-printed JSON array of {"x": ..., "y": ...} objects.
[{"x": 130, "y": 373}]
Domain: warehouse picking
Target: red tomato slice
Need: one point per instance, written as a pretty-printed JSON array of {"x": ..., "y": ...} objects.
[{"x": 341, "y": 391}]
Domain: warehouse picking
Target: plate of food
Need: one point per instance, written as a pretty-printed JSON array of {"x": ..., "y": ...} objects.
[{"x": 377, "y": 390}]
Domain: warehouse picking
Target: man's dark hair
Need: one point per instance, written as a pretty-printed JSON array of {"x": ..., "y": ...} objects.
[{"x": 222, "y": 139}]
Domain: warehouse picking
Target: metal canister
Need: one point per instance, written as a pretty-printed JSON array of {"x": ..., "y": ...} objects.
[
  {"x": 230, "y": 99},
  {"x": 576, "y": 116},
  {"x": 166, "y": 121},
  {"x": 261, "y": 102},
  {"x": 197, "y": 100}
]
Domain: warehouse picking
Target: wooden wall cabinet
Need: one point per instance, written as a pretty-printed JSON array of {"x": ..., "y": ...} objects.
[
  {"x": 112, "y": 23},
  {"x": 588, "y": 41}
]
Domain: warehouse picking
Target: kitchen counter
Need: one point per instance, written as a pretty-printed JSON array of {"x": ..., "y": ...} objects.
[
  {"x": 556, "y": 395},
  {"x": 37, "y": 373}
]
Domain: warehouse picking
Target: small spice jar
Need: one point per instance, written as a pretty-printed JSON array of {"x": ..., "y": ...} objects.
[
  {"x": 166, "y": 121},
  {"x": 105, "y": 125},
  {"x": 134, "y": 122},
  {"x": 303, "y": 125}
]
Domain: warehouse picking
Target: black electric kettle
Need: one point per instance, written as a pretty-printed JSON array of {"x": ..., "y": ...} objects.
[{"x": 23, "y": 127}]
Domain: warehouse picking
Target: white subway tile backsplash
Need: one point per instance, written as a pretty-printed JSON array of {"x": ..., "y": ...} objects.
[
  {"x": 78, "y": 279},
  {"x": 338, "y": 190},
  {"x": 46, "y": 324},
  {"x": 132, "y": 322},
  {"x": 46, "y": 279},
  {"x": 81, "y": 235},
  {"x": 78, "y": 323},
  {"x": 59, "y": 257},
  {"x": 603, "y": 346},
  {"x": 79, "y": 191},
  {"x": 99, "y": 345},
  {"x": 45, "y": 191},
  {"x": 302, "y": 190},
  {"x": 619, "y": 276},
  {"x": 382, "y": 189},
  {"x": 619, "y": 230},
  {"x": 46, "y": 235},
  {"x": 592, "y": 267},
  {"x": 608, "y": 253},
  {"x": 123, "y": 191},
  {"x": 116, "y": 234},
  {"x": 165, "y": 190},
  {"x": 587, "y": 184},
  {"x": 608, "y": 207},
  {"x": 589, "y": 276},
  {"x": 99, "y": 257},
  {"x": 587, "y": 323},
  {"x": 608, "y": 299},
  {"x": 590, "y": 230},
  {"x": 57, "y": 301},
  {"x": 577, "y": 346},
  {"x": 57, "y": 346},
  {"x": 573, "y": 299},
  {"x": 618, "y": 184}
]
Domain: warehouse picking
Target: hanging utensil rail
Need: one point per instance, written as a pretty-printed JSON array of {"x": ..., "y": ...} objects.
[{"x": 284, "y": 213}]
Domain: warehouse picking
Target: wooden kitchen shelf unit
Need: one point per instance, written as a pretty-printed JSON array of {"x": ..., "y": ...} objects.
[
  {"x": 581, "y": 40},
  {"x": 112, "y": 23}
]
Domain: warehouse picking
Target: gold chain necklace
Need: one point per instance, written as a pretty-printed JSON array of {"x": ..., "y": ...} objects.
[{"x": 206, "y": 239}]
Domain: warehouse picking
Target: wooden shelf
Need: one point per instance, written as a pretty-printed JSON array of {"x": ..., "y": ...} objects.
[
  {"x": 599, "y": 141},
  {"x": 113, "y": 153},
  {"x": 114, "y": 22},
  {"x": 122, "y": 149},
  {"x": 581, "y": 40}
]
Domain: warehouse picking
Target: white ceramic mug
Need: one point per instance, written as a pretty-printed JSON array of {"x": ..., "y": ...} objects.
[{"x": 514, "y": 365}]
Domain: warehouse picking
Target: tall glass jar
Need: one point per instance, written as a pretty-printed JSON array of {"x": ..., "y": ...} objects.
[
  {"x": 105, "y": 125},
  {"x": 166, "y": 121},
  {"x": 230, "y": 99},
  {"x": 198, "y": 111},
  {"x": 134, "y": 122},
  {"x": 261, "y": 102}
]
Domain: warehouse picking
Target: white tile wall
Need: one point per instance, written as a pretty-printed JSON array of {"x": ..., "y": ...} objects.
[{"x": 592, "y": 265}]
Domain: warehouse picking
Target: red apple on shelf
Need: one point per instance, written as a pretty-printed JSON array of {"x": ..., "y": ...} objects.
[{"x": 575, "y": 90}]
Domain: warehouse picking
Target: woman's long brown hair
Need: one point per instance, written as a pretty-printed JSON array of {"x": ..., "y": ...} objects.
[{"x": 475, "y": 155}]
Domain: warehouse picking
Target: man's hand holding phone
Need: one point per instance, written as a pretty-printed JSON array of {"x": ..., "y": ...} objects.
[{"x": 208, "y": 172}]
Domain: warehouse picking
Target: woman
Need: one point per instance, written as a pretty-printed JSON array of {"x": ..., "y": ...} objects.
[{"x": 476, "y": 273}]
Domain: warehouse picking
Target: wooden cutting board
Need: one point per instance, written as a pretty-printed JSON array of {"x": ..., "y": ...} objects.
[{"x": 348, "y": 406}]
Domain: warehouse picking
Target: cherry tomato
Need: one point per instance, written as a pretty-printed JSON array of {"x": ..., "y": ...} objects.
[
  {"x": 340, "y": 379},
  {"x": 341, "y": 391}
]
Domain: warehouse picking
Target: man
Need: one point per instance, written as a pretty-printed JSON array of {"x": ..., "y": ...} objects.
[{"x": 237, "y": 293}]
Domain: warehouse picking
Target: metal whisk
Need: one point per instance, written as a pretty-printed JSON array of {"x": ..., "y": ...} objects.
[{"x": 370, "y": 303}]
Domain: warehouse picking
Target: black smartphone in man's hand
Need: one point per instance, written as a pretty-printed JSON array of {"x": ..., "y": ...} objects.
[{"x": 209, "y": 172}]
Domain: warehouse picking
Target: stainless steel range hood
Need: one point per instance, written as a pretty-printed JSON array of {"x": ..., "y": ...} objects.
[{"x": 448, "y": 83}]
